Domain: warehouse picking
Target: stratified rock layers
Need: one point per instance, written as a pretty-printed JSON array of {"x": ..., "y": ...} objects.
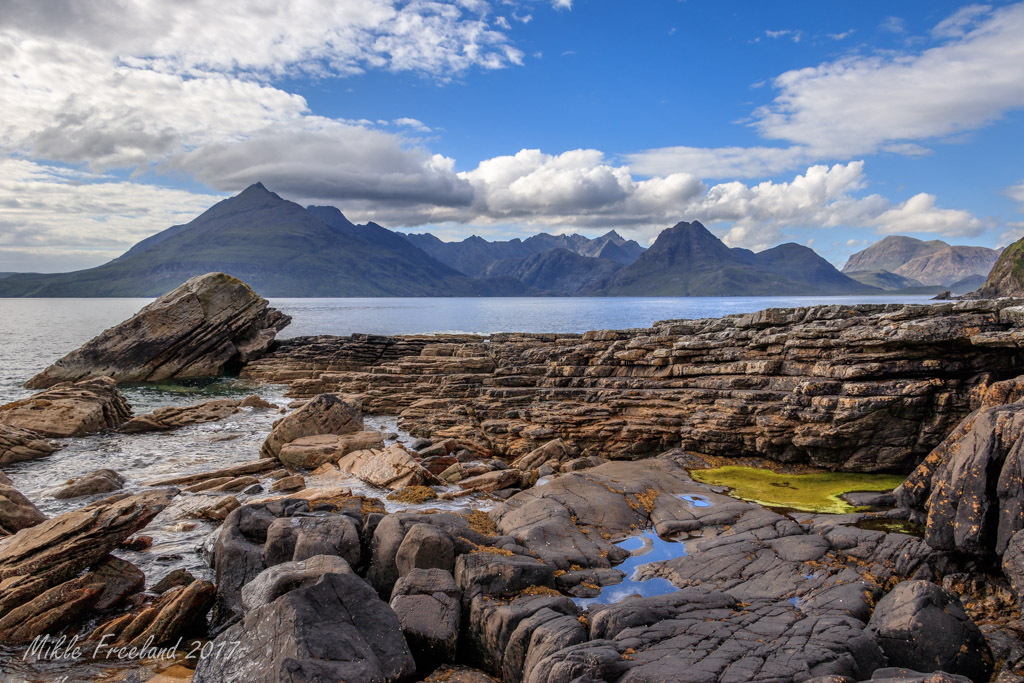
[
  {"x": 856, "y": 388},
  {"x": 201, "y": 329}
]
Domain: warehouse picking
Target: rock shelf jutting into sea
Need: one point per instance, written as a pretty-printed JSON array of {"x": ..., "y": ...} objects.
[{"x": 824, "y": 493}]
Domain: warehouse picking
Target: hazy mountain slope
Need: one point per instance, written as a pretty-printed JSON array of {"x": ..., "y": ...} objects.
[
  {"x": 473, "y": 255},
  {"x": 274, "y": 245},
  {"x": 891, "y": 253},
  {"x": 949, "y": 265},
  {"x": 688, "y": 260},
  {"x": 801, "y": 265},
  {"x": 882, "y": 279},
  {"x": 559, "y": 271}
]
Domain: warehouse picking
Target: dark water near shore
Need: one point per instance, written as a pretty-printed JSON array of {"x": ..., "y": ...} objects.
[{"x": 36, "y": 332}]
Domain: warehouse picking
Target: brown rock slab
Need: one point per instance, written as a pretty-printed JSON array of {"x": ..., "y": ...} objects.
[
  {"x": 197, "y": 330},
  {"x": 172, "y": 417},
  {"x": 91, "y": 483},
  {"x": 58, "y": 549},
  {"x": 310, "y": 452},
  {"x": 393, "y": 468},
  {"x": 324, "y": 414},
  {"x": 66, "y": 409},
  {"x": 16, "y": 511},
  {"x": 17, "y": 445}
]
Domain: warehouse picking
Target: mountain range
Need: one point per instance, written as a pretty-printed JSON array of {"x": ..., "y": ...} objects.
[
  {"x": 283, "y": 249},
  {"x": 899, "y": 262}
]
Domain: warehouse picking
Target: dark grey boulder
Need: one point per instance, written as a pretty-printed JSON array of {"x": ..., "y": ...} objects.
[
  {"x": 334, "y": 630},
  {"x": 272, "y": 583},
  {"x": 427, "y": 604},
  {"x": 500, "y": 575},
  {"x": 425, "y": 546},
  {"x": 298, "y": 538},
  {"x": 923, "y": 627}
]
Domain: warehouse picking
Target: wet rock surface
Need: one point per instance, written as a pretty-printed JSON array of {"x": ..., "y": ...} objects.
[
  {"x": 172, "y": 417},
  {"x": 16, "y": 511},
  {"x": 200, "y": 329},
  {"x": 18, "y": 444},
  {"x": 97, "y": 481}
]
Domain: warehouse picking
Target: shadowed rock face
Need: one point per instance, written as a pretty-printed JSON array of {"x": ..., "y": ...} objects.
[
  {"x": 201, "y": 329},
  {"x": 853, "y": 388}
]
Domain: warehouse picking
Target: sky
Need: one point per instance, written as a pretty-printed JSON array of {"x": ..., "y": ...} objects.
[{"x": 826, "y": 124}]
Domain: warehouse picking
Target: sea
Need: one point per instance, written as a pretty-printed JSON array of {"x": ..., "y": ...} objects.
[{"x": 36, "y": 332}]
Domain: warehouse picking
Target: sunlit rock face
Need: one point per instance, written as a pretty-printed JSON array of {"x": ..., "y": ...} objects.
[{"x": 861, "y": 388}]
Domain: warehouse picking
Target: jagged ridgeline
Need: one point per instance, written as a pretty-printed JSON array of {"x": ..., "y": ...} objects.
[{"x": 283, "y": 249}]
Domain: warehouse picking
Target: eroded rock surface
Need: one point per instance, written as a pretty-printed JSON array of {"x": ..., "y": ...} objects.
[
  {"x": 324, "y": 414},
  {"x": 16, "y": 511},
  {"x": 18, "y": 444},
  {"x": 67, "y": 410},
  {"x": 337, "y": 629},
  {"x": 209, "y": 324},
  {"x": 857, "y": 388},
  {"x": 172, "y": 417}
]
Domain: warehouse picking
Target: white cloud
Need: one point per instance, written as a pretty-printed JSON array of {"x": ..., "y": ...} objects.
[
  {"x": 1016, "y": 192},
  {"x": 118, "y": 84},
  {"x": 53, "y": 218},
  {"x": 720, "y": 162},
  {"x": 960, "y": 21},
  {"x": 893, "y": 25},
  {"x": 561, "y": 4},
  {"x": 959, "y": 85},
  {"x": 919, "y": 214},
  {"x": 793, "y": 34},
  {"x": 864, "y": 104},
  {"x": 415, "y": 124}
]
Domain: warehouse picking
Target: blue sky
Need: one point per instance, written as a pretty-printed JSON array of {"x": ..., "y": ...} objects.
[{"x": 828, "y": 124}]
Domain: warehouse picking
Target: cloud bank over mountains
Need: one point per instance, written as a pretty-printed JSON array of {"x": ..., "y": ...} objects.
[{"x": 93, "y": 89}]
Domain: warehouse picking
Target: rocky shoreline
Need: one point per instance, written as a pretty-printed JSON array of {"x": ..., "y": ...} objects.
[{"x": 483, "y": 543}]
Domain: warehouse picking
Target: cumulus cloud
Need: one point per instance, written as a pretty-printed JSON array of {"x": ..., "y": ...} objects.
[
  {"x": 919, "y": 214},
  {"x": 114, "y": 84}
]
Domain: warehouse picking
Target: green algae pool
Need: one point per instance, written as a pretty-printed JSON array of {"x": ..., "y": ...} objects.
[{"x": 806, "y": 492}]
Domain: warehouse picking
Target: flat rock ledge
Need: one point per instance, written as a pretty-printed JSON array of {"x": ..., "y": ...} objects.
[
  {"x": 210, "y": 324},
  {"x": 871, "y": 387}
]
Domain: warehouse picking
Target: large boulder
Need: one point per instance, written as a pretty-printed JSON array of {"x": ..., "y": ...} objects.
[
  {"x": 969, "y": 490},
  {"x": 18, "y": 444},
  {"x": 921, "y": 626},
  {"x": 324, "y": 414},
  {"x": 16, "y": 511},
  {"x": 272, "y": 583},
  {"x": 427, "y": 603},
  {"x": 211, "y": 324},
  {"x": 67, "y": 409},
  {"x": 334, "y": 630}
]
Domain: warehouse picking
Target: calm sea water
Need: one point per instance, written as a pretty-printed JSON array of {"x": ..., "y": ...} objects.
[{"x": 36, "y": 332}]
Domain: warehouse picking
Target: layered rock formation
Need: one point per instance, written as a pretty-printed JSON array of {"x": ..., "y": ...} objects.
[
  {"x": 64, "y": 410},
  {"x": 42, "y": 584},
  {"x": 208, "y": 325},
  {"x": 857, "y": 388}
]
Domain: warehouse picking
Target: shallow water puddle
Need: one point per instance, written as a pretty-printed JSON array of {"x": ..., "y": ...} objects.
[
  {"x": 645, "y": 548},
  {"x": 818, "y": 492}
]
